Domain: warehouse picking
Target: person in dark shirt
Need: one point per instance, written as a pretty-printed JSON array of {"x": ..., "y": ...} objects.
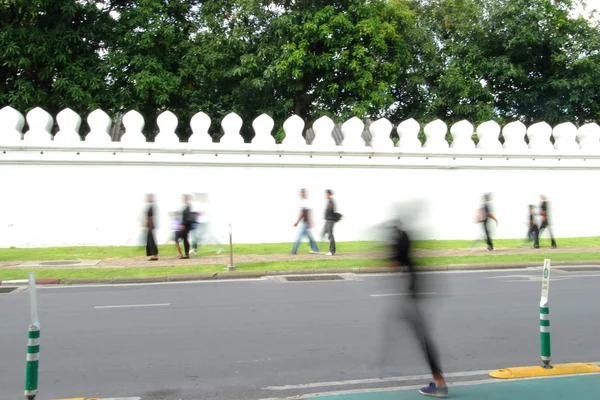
[
  {"x": 330, "y": 220},
  {"x": 533, "y": 232},
  {"x": 401, "y": 256},
  {"x": 187, "y": 220},
  {"x": 151, "y": 247},
  {"x": 545, "y": 223},
  {"x": 486, "y": 215}
]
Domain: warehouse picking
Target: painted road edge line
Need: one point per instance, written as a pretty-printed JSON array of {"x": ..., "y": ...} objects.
[
  {"x": 134, "y": 305},
  {"x": 376, "y": 380},
  {"x": 404, "y": 388},
  {"x": 103, "y": 398},
  {"x": 539, "y": 371}
]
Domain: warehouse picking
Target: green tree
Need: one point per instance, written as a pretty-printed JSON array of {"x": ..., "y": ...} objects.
[
  {"x": 543, "y": 64},
  {"x": 50, "y": 55},
  {"x": 145, "y": 53},
  {"x": 530, "y": 60},
  {"x": 310, "y": 58}
]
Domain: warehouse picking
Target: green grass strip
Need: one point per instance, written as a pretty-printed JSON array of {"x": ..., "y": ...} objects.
[
  {"x": 120, "y": 252},
  {"x": 107, "y": 273}
]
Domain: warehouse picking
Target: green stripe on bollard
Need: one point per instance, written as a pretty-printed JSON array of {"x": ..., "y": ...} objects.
[
  {"x": 545, "y": 334},
  {"x": 33, "y": 361}
]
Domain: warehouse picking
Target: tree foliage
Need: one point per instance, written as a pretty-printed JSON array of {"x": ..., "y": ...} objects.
[{"x": 530, "y": 60}]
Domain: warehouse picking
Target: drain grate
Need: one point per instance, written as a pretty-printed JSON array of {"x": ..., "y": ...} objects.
[
  {"x": 5, "y": 290},
  {"x": 310, "y": 278},
  {"x": 578, "y": 269}
]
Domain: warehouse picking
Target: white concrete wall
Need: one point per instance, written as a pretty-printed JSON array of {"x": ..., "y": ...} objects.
[{"x": 62, "y": 191}]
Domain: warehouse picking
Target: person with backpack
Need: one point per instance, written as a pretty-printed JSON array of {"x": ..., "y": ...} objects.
[{"x": 331, "y": 217}]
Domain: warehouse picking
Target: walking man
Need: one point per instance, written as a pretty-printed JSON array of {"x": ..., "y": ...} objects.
[
  {"x": 187, "y": 220},
  {"x": 305, "y": 221},
  {"x": 401, "y": 256},
  {"x": 330, "y": 220},
  {"x": 486, "y": 215},
  {"x": 151, "y": 248},
  {"x": 545, "y": 223}
]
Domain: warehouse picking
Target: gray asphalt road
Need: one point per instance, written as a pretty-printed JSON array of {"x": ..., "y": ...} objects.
[{"x": 230, "y": 340}]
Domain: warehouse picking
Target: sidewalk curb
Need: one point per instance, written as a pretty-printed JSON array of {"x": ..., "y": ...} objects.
[
  {"x": 207, "y": 276},
  {"x": 20, "y": 282}
]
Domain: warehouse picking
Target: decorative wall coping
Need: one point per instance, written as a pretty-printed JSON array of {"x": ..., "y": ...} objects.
[{"x": 570, "y": 141}]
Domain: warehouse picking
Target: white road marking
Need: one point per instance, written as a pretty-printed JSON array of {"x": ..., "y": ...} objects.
[
  {"x": 414, "y": 387},
  {"x": 400, "y": 294},
  {"x": 376, "y": 380},
  {"x": 253, "y": 361},
  {"x": 135, "y": 305}
]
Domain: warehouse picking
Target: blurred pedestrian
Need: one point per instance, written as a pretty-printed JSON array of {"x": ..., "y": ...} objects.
[
  {"x": 175, "y": 224},
  {"x": 203, "y": 230},
  {"x": 331, "y": 217},
  {"x": 151, "y": 247},
  {"x": 532, "y": 231},
  {"x": 545, "y": 223},
  {"x": 486, "y": 215},
  {"x": 187, "y": 220},
  {"x": 305, "y": 222},
  {"x": 197, "y": 226},
  {"x": 401, "y": 256}
]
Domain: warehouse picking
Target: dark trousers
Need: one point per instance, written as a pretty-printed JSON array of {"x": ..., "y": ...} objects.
[
  {"x": 151, "y": 248},
  {"x": 543, "y": 226},
  {"x": 488, "y": 239},
  {"x": 411, "y": 312},
  {"x": 183, "y": 235},
  {"x": 533, "y": 234},
  {"x": 328, "y": 230}
]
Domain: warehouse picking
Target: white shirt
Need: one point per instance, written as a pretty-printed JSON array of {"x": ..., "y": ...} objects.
[{"x": 305, "y": 205}]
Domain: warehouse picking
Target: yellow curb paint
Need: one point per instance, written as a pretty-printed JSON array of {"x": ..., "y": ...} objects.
[{"x": 533, "y": 372}]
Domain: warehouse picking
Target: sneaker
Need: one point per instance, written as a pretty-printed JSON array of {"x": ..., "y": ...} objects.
[
  {"x": 193, "y": 252},
  {"x": 219, "y": 251},
  {"x": 490, "y": 248},
  {"x": 554, "y": 246},
  {"x": 329, "y": 254},
  {"x": 535, "y": 247},
  {"x": 433, "y": 391}
]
